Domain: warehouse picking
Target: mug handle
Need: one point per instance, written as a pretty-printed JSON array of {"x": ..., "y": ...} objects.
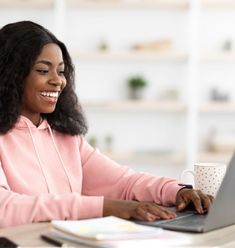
[{"x": 185, "y": 172}]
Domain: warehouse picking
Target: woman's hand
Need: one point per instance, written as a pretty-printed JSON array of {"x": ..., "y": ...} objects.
[
  {"x": 148, "y": 211},
  {"x": 201, "y": 201}
]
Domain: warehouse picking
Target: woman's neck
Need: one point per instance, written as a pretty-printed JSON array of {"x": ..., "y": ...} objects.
[{"x": 35, "y": 119}]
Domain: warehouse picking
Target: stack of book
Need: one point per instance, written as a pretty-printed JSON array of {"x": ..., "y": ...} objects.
[{"x": 110, "y": 232}]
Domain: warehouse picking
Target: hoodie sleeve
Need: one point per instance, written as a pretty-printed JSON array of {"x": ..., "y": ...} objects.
[
  {"x": 104, "y": 177},
  {"x": 16, "y": 209}
]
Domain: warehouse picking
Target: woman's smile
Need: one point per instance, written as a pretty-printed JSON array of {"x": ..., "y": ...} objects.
[{"x": 50, "y": 96}]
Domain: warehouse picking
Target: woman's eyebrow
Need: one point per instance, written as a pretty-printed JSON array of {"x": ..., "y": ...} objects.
[{"x": 46, "y": 62}]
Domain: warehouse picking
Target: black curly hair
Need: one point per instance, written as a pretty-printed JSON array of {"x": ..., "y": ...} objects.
[{"x": 20, "y": 45}]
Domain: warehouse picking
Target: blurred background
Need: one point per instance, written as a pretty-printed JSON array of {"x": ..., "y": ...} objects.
[{"x": 155, "y": 77}]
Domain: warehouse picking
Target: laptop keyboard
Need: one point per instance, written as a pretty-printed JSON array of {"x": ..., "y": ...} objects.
[
  {"x": 190, "y": 223},
  {"x": 185, "y": 221},
  {"x": 190, "y": 220}
]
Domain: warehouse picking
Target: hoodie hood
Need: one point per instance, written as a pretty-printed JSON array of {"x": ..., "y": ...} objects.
[{"x": 23, "y": 122}]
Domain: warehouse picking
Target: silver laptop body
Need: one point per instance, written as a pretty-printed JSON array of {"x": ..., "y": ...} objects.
[{"x": 221, "y": 213}]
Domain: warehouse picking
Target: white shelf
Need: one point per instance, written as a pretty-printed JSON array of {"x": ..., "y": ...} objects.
[
  {"x": 159, "y": 106},
  {"x": 181, "y": 4},
  {"x": 145, "y": 157},
  {"x": 218, "y": 3},
  {"x": 219, "y": 57},
  {"x": 133, "y": 105},
  {"x": 27, "y": 3},
  {"x": 169, "y": 55},
  {"x": 214, "y": 157},
  {"x": 218, "y": 107},
  {"x": 164, "y": 55}
]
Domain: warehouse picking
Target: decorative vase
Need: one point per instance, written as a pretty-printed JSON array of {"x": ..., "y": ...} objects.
[{"x": 136, "y": 93}]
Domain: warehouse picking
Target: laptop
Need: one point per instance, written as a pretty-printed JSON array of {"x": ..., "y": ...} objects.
[{"x": 221, "y": 213}]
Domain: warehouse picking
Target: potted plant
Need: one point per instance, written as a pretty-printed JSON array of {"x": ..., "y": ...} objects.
[{"x": 136, "y": 86}]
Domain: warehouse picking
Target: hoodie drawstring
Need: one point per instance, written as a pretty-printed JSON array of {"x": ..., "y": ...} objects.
[
  {"x": 61, "y": 160},
  {"x": 40, "y": 161}
]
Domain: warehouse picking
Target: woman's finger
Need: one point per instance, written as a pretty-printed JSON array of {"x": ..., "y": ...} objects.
[
  {"x": 152, "y": 211},
  {"x": 206, "y": 200},
  {"x": 145, "y": 214},
  {"x": 185, "y": 196},
  {"x": 162, "y": 212},
  {"x": 182, "y": 200}
]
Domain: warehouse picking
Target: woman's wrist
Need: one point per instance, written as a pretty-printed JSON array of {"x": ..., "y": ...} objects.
[{"x": 108, "y": 207}]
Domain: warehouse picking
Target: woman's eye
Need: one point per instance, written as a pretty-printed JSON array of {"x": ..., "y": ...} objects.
[
  {"x": 61, "y": 72},
  {"x": 42, "y": 71}
]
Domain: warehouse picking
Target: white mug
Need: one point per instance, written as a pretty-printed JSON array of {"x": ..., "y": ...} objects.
[{"x": 207, "y": 176}]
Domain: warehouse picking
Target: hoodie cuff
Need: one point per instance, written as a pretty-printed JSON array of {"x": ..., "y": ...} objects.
[
  {"x": 90, "y": 207},
  {"x": 170, "y": 192}
]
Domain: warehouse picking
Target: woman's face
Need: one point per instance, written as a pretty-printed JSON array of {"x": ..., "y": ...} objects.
[{"x": 44, "y": 83}]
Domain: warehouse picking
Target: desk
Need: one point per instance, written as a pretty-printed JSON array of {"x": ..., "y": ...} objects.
[{"x": 29, "y": 236}]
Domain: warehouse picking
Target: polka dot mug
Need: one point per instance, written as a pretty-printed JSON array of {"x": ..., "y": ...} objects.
[{"x": 207, "y": 176}]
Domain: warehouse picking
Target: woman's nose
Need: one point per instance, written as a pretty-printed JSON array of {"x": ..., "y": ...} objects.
[{"x": 56, "y": 80}]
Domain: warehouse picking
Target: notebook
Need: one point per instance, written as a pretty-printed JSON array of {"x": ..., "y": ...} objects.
[
  {"x": 112, "y": 232},
  {"x": 221, "y": 213}
]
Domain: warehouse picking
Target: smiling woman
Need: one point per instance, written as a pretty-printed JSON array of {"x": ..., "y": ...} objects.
[
  {"x": 30, "y": 54},
  {"x": 44, "y": 83},
  {"x": 47, "y": 169}
]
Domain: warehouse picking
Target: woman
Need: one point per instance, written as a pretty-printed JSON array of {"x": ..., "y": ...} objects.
[{"x": 48, "y": 171}]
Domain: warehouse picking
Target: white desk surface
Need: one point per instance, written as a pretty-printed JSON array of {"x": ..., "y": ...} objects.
[{"x": 29, "y": 236}]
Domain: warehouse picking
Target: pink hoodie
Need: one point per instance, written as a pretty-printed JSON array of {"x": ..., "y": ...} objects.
[{"x": 46, "y": 175}]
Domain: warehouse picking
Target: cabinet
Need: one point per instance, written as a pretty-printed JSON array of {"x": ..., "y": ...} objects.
[{"x": 160, "y": 133}]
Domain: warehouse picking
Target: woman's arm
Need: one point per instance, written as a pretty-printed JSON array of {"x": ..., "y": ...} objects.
[
  {"x": 131, "y": 194},
  {"x": 102, "y": 176},
  {"x": 16, "y": 209}
]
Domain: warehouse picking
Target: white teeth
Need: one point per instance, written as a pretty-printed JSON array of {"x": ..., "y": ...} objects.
[{"x": 50, "y": 94}]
